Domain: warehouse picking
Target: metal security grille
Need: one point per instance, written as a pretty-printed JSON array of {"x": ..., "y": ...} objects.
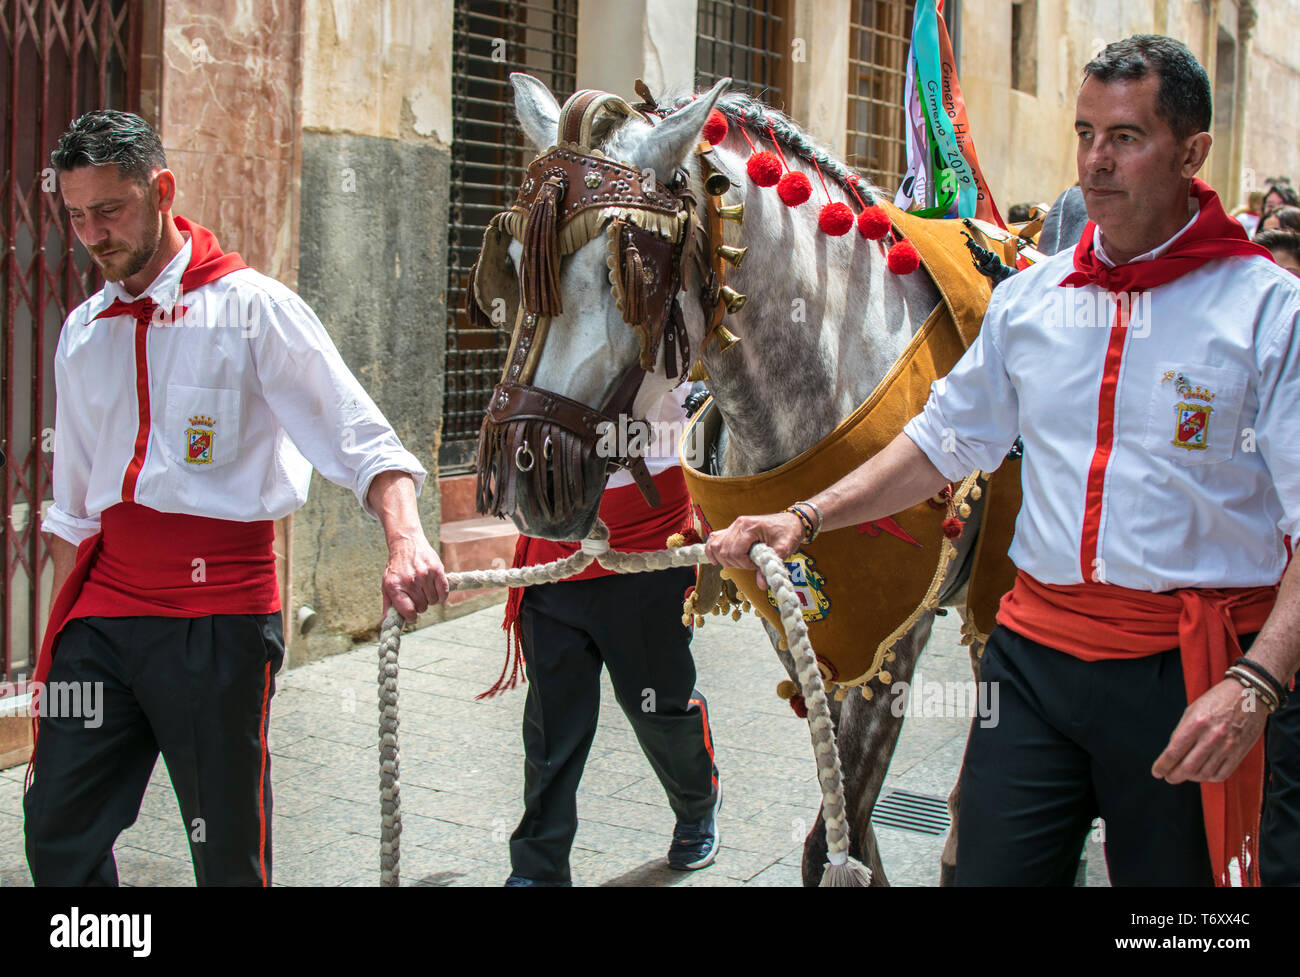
[
  {"x": 879, "y": 35},
  {"x": 57, "y": 60},
  {"x": 489, "y": 155},
  {"x": 747, "y": 41}
]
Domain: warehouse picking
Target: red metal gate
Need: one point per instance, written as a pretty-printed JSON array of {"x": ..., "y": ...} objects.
[{"x": 58, "y": 58}]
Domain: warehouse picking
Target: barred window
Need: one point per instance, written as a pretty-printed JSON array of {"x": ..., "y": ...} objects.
[
  {"x": 879, "y": 36},
  {"x": 488, "y": 157},
  {"x": 747, "y": 41}
]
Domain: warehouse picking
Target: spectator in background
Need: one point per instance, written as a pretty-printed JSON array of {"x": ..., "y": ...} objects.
[
  {"x": 1284, "y": 246},
  {"x": 1280, "y": 193},
  {"x": 1285, "y": 218}
]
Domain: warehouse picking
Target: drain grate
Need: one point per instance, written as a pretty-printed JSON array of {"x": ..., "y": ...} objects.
[{"x": 912, "y": 812}]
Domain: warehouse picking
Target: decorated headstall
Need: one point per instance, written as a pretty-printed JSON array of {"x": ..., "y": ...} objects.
[{"x": 571, "y": 194}]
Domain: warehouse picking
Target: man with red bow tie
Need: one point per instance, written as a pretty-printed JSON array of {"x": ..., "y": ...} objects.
[
  {"x": 194, "y": 397},
  {"x": 1154, "y": 377}
]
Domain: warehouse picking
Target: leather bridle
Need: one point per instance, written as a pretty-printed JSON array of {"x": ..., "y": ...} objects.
[{"x": 571, "y": 194}]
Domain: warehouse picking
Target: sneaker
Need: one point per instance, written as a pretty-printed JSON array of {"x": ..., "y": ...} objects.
[
  {"x": 516, "y": 881},
  {"x": 695, "y": 844}
]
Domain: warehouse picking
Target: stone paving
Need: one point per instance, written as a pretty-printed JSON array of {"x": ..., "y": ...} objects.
[{"x": 462, "y": 774}]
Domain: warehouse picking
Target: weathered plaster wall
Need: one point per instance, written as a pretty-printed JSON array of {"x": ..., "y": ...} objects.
[{"x": 375, "y": 172}]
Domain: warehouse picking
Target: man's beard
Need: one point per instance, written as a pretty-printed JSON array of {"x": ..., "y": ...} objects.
[{"x": 137, "y": 258}]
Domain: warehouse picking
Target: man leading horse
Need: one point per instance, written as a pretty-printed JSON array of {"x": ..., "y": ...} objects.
[{"x": 1158, "y": 481}]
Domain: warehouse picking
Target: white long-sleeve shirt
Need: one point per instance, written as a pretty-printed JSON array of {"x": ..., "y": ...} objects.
[
  {"x": 1190, "y": 498},
  {"x": 246, "y": 393}
]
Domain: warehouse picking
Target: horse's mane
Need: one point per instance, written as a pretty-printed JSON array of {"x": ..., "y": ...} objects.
[{"x": 768, "y": 123}]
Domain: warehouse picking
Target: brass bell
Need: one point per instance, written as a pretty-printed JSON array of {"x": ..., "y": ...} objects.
[
  {"x": 726, "y": 338},
  {"x": 735, "y": 212},
  {"x": 698, "y": 372},
  {"x": 732, "y": 256},
  {"x": 717, "y": 184},
  {"x": 733, "y": 300}
]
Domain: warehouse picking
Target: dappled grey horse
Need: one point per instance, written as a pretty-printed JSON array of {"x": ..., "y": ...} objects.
[{"x": 787, "y": 385}]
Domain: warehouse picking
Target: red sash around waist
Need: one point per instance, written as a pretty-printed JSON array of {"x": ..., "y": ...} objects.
[
  {"x": 146, "y": 563},
  {"x": 1095, "y": 622}
]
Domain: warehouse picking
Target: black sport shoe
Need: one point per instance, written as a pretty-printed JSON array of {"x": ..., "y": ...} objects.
[
  {"x": 518, "y": 881},
  {"x": 695, "y": 844}
]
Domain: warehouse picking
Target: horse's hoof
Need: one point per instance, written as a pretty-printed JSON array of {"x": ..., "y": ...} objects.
[{"x": 947, "y": 874}]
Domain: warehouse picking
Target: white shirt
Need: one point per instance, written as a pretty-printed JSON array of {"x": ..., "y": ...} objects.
[
  {"x": 1171, "y": 515},
  {"x": 241, "y": 388}
]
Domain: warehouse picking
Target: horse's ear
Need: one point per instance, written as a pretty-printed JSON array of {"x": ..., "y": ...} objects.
[
  {"x": 667, "y": 144},
  {"x": 539, "y": 113}
]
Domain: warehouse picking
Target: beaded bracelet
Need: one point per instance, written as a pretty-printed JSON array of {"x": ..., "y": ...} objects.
[
  {"x": 809, "y": 529},
  {"x": 1279, "y": 690}
]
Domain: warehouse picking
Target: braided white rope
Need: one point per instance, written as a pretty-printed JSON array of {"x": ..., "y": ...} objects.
[{"x": 841, "y": 871}]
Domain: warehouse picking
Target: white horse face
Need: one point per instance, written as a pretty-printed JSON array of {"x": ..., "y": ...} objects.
[{"x": 589, "y": 346}]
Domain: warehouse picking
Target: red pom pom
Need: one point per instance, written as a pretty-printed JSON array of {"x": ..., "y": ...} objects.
[
  {"x": 715, "y": 127},
  {"x": 952, "y": 526},
  {"x": 799, "y": 706},
  {"x": 691, "y": 537},
  {"x": 873, "y": 223},
  {"x": 794, "y": 189},
  {"x": 904, "y": 258},
  {"x": 764, "y": 169},
  {"x": 835, "y": 219}
]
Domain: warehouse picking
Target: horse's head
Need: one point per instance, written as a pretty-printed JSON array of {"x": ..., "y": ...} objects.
[{"x": 587, "y": 268}]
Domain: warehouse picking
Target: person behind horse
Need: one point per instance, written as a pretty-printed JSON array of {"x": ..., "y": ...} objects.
[
  {"x": 172, "y": 459},
  {"x": 1284, "y": 218},
  {"x": 631, "y": 624},
  {"x": 1159, "y": 476}
]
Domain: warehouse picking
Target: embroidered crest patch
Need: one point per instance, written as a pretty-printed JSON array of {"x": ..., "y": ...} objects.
[
  {"x": 198, "y": 440},
  {"x": 1192, "y": 420},
  {"x": 809, "y": 585}
]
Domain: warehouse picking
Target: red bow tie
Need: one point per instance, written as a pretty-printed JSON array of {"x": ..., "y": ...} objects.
[{"x": 141, "y": 310}]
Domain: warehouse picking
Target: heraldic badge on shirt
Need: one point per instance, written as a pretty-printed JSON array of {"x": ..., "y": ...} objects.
[
  {"x": 198, "y": 438},
  {"x": 1192, "y": 420}
]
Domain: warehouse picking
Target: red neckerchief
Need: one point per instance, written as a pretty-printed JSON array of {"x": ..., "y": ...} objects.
[
  {"x": 207, "y": 263},
  {"x": 1213, "y": 235}
]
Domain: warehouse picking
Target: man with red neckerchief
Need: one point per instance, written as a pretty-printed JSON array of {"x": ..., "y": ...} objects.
[
  {"x": 194, "y": 396},
  {"x": 1154, "y": 377}
]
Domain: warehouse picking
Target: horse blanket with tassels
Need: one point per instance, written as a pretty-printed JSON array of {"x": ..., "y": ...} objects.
[{"x": 864, "y": 587}]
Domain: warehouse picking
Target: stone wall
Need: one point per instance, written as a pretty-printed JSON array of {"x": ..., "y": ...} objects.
[{"x": 376, "y": 116}]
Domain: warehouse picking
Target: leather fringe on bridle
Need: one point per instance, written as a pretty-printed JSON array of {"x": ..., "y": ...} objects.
[
  {"x": 541, "y": 271},
  {"x": 556, "y": 481}
]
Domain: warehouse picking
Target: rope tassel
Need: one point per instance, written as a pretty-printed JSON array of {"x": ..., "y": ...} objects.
[{"x": 541, "y": 277}]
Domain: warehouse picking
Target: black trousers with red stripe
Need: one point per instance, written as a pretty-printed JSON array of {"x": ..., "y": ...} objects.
[
  {"x": 631, "y": 624},
  {"x": 196, "y": 689},
  {"x": 1074, "y": 740}
]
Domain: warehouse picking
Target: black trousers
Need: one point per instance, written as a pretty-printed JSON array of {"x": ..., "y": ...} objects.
[
  {"x": 632, "y": 624},
  {"x": 1279, "y": 836},
  {"x": 1074, "y": 740},
  {"x": 199, "y": 690}
]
